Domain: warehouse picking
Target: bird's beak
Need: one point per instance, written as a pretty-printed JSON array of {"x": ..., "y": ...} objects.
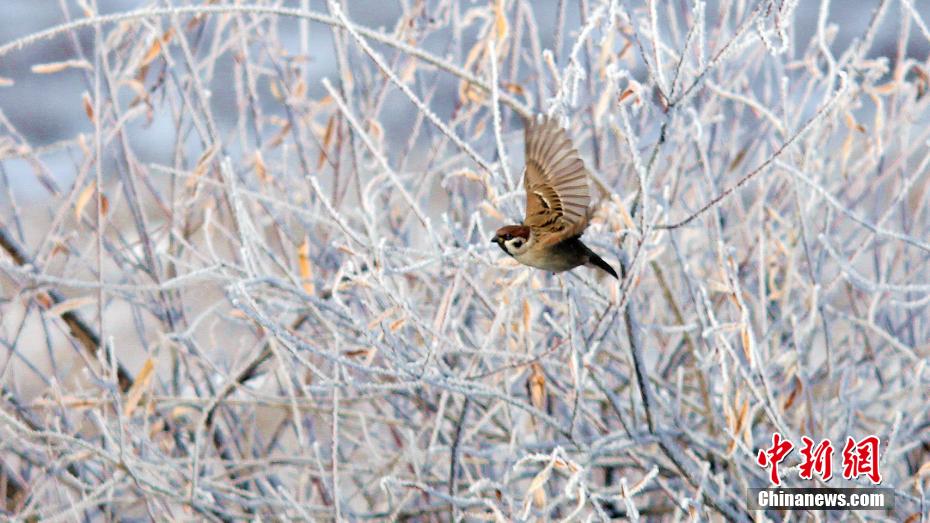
[{"x": 496, "y": 239}]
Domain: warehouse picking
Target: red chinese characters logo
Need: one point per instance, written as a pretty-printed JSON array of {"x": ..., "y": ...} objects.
[
  {"x": 774, "y": 455},
  {"x": 819, "y": 460},
  {"x": 859, "y": 458}
]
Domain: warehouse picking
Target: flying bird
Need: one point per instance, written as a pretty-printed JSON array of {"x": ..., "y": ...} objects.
[{"x": 556, "y": 184}]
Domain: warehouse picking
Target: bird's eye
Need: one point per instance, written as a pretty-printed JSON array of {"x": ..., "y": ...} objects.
[{"x": 508, "y": 236}]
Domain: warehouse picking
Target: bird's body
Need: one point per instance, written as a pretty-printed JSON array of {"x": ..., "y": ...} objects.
[{"x": 556, "y": 184}]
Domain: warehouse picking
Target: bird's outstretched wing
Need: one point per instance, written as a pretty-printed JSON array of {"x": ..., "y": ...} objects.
[{"x": 556, "y": 183}]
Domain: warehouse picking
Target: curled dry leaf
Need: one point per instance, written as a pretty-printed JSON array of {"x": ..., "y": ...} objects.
[
  {"x": 536, "y": 489},
  {"x": 154, "y": 50},
  {"x": 85, "y": 197},
  {"x": 88, "y": 107}
]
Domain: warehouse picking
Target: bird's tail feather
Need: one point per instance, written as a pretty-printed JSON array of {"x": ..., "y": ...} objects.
[{"x": 599, "y": 262}]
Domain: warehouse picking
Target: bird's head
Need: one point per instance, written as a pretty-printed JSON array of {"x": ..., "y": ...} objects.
[{"x": 513, "y": 239}]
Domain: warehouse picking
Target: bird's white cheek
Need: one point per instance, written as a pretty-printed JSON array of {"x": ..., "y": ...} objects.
[{"x": 516, "y": 246}]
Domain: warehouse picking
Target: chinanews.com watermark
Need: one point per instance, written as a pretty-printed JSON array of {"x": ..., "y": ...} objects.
[
  {"x": 821, "y": 498},
  {"x": 860, "y": 459}
]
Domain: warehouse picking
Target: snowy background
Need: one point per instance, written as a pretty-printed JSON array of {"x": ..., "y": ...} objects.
[{"x": 282, "y": 301}]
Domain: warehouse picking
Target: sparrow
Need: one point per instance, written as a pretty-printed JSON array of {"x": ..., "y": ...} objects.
[{"x": 556, "y": 184}]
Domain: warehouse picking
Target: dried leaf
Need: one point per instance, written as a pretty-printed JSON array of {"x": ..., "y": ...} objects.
[
  {"x": 380, "y": 317},
  {"x": 104, "y": 204},
  {"x": 44, "y": 300},
  {"x": 536, "y": 486},
  {"x": 852, "y": 124},
  {"x": 203, "y": 163},
  {"x": 88, "y": 107},
  {"x": 300, "y": 89},
  {"x": 69, "y": 305},
  {"x": 626, "y": 94},
  {"x": 500, "y": 21},
  {"x": 327, "y": 139},
  {"x": 479, "y": 128},
  {"x": 539, "y": 498},
  {"x": 793, "y": 395},
  {"x": 738, "y": 159},
  {"x": 741, "y": 416},
  {"x": 886, "y": 88},
  {"x": 306, "y": 273},
  {"x": 467, "y": 91},
  {"x": 747, "y": 342},
  {"x": 278, "y": 138},
  {"x": 922, "y": 472},
  {"x": 139, "y": 387},
  {"x": 537, "y": 386},
  {"x": 156, "y": 48},
  {"x": 55, "y": 67},
  {"x": 409, "y": 72},
  {"x": 59, "y": 248},
  {"x": 514, "y": 88},
  {"x": 83, "y": 199},
  {"x": 561, "y": 464},
  {"x": 527, "y": 315},
  {"x": 442, "y": 312},
  {"x": 472, "y": 93},
  {"x": 375, "y": 130},
  {"x": 260, "y": 170},
  {"x": 275, "y": 92},
  {"x": 923, "y": 81}
]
